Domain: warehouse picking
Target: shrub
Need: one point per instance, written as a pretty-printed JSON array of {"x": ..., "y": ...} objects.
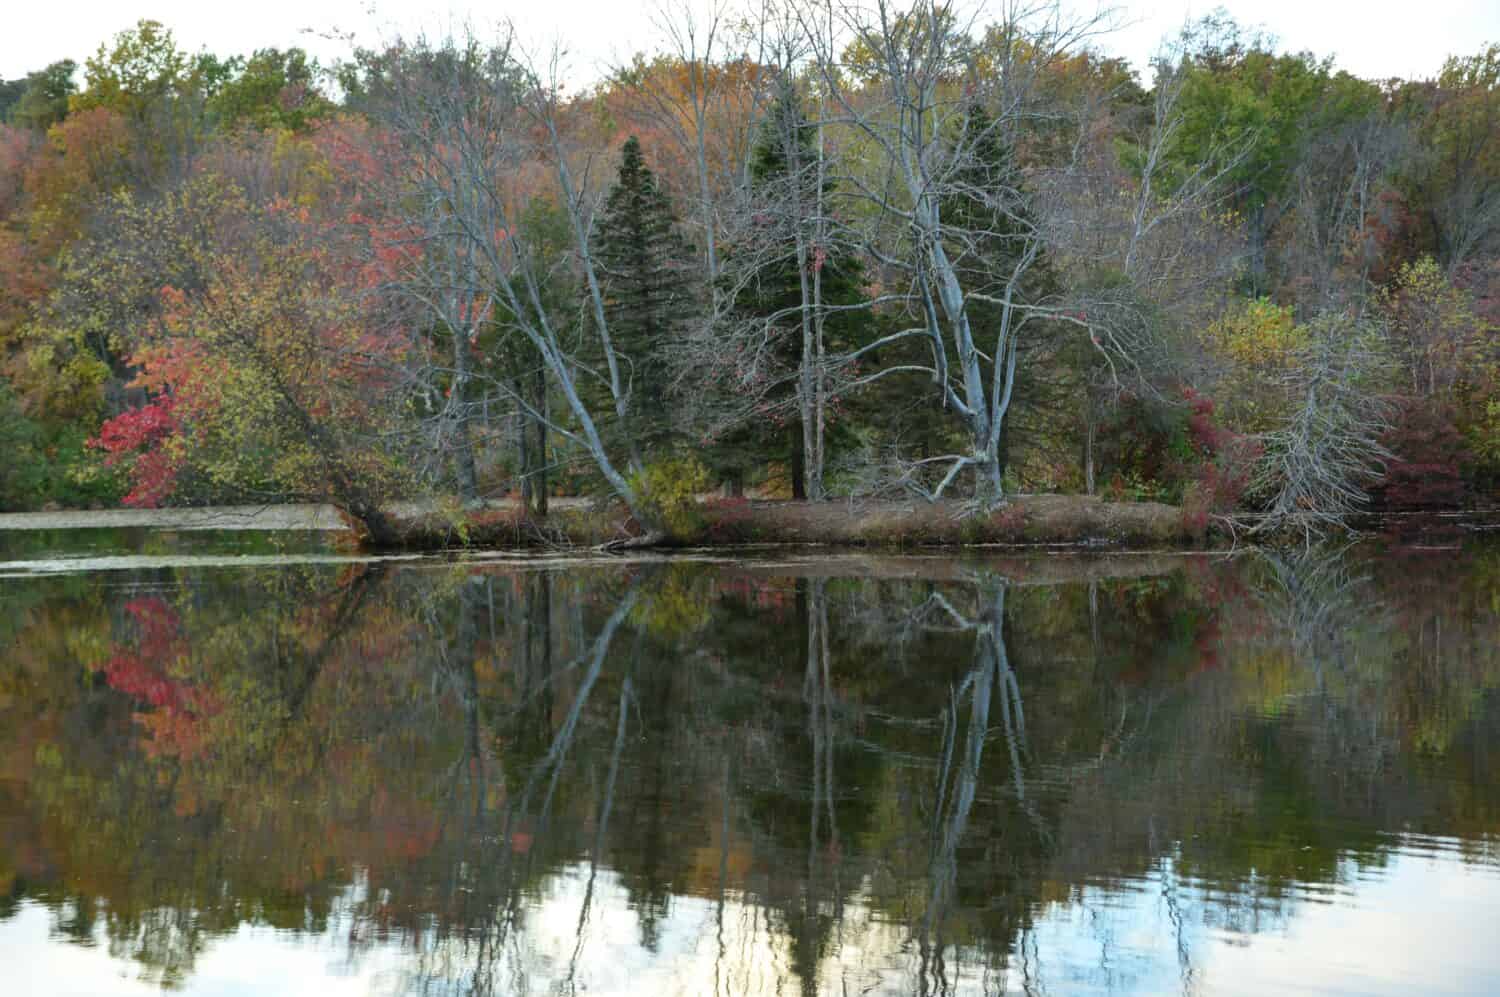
[
  {"x": 670, "y": 489},
  {"x": 1429, "y": 453}
]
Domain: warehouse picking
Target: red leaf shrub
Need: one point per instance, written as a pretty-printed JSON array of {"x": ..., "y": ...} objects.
[{"x": 1430, "y": 454}]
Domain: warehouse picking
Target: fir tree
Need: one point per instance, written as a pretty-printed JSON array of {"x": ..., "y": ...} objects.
[
  {"x": 783, "y": 173},
  {"x": 647, "y": 267}
]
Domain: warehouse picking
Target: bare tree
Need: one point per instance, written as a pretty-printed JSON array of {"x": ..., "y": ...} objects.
[
  {"x": 479, "y": 124},
  {"x": 1326, "y": 451},
  {"x": 905, "y": 103},
  {"x": 766, "y": 344},
  {"x": 1457, "y": 156},
  {"x": 1163, "y": 245},
  {"x": 1335, "y": 193},
  {"x": 705, "y": 95}
]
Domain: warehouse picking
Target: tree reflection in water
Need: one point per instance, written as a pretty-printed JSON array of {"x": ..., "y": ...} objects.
[{"x": 879, "y": 775}]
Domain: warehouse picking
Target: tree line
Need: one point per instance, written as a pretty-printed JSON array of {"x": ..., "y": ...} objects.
[{"x": 931, "y": 251}]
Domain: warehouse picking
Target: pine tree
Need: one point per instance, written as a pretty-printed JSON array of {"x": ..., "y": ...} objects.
[
  {"x": 647, "y": 267},
  {"x": 986, "y": 233},
  {"x": 783, "y": 173}
]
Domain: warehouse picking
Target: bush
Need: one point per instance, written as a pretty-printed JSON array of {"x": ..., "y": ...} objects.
[
  {"x": 1429, "y": 454},
  {"x": 670, "y": 489},
  {"x": 44, "y": 466}
]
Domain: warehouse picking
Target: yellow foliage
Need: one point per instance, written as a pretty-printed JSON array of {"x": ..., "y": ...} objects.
[
  {"x": 1254, "y": 342},
  {"x": 670, "y": 490},
  {"x": 1262, "y": 333},
  {"x": 675, "y": 605}
]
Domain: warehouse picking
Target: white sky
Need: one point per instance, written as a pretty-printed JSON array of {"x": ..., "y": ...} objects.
[{"x": 1373, "y": 38}]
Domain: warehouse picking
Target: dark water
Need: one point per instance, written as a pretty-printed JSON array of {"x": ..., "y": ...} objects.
[{"x": 225, "y": 769}]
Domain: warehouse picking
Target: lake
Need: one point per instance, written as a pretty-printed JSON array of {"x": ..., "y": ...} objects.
[{"x": 239, "y": 762}]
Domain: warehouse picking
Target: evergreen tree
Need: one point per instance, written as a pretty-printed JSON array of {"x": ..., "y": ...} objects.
[
  {"x": 647, "y": 267},
  {"x": 785, "y": 157},
  {"x": 10, "y": 92},
  {"x": 987, "y": 231}
]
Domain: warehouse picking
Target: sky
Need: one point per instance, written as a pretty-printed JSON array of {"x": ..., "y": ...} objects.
[{"x": 1371, "y": 38}]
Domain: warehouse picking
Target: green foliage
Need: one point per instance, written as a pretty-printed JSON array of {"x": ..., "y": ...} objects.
[
  {"x": 677, "y": 604},
  {"x": 158, "y": 89},
  {"x": 1245, "y": 109},
  {"x": 49, "y": 465},
  {"x": 236, "y": 185},
  {"x": 142, "y": 68},
  {"x": 669, "y": 488},
  {"x": 785, "y": 198},
  {"x": 1246, "y": 116},
  {"x": 646, "y": 266},
  {"x": 274, "y": 88},
  {"x": 10, "y": 92},
  {"x": 1255, "y": 343},
  {"x": 42, "y": 98},
  {"x": 20, "y": 476},
  {"x": 1457, "y": 179}
]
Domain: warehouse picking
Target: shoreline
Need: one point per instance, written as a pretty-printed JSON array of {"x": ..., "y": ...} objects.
[
  {"x": 1024, "y": 520},
  {"x": 1052, "y": 521}
]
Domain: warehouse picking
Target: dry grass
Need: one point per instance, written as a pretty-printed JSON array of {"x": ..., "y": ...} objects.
[{"x": 1028, "y": 519}]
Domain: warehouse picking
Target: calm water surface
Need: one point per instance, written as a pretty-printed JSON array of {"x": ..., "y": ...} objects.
[{"x": 240, "y": 763}]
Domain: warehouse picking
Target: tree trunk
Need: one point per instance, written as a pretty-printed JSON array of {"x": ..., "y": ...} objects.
[
  {"x": 1002, "y": 452},
  {"x": 524, "y": 461},
  {"x": 989, "y": 487},
  {"x": 1088, "y": 450},
  {"x": 468, "y": 472},
  {"x": 539, "y": 452},
  {"x": 818, "y": 437},
  {"x": 534, "y": 717},
  {"x": 796, "y": 463},
  {"x": 465, "y": 472},
  {"x": 375, "y": 527},
  {"x": 1257, "y": 233},
  {"x": 1094, "y": 620}
]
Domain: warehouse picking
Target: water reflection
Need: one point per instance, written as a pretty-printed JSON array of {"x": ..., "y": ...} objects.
[{"x": 856, "y": 775}]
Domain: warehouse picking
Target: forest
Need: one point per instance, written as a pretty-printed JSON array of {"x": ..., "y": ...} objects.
[{"x": 929, "y": 252}]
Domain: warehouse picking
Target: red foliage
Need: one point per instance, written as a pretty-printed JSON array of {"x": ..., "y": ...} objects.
[
  {"x": 142, "y": 673},
  {"x": 1430, "y": 453},
  {"x": 138, "y": 428},
  {"x": 1482, "y": 280},
  {"x": 1208, "y": 435},
  {"x": 138, "y": 433},
  {"x": 85, "y": 155},
  {"x": 24, "y": 278},
  {"x": 1391, "y": 237},
  {"x": 776, "y": 597},
  {"x": 726, "y": 517},
  {"x": 18, "y": 147},
  {"x": 1227, "y": 462}
]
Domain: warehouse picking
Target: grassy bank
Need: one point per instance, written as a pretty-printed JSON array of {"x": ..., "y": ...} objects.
[{"x": 1028, "y": 519}]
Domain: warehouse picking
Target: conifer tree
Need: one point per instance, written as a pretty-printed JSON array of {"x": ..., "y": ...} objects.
[
  {"x": 987, "y": 230},
  {"x": 784, "y": 157},
  {"x": 647, "y": 267}
]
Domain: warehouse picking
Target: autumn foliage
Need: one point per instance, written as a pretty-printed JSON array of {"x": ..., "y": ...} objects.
[{"x": 257, "y": 279}]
